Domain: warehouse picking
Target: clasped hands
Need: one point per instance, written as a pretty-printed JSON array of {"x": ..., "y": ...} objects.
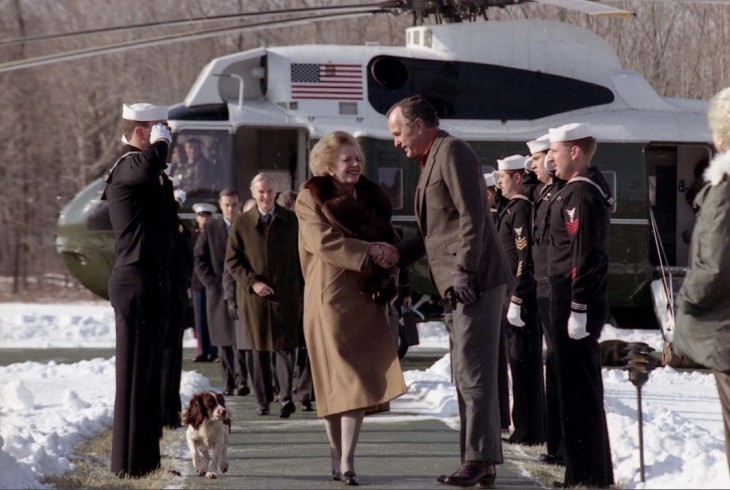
[{"x": 383, "y": 254}]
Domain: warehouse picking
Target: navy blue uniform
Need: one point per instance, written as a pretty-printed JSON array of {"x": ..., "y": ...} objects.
[
  {"x": 524, "y": 344},
  {"x": 140, "y": 207},
  {"x": 543, "y": 194},
  {"x": 578, "y": 270}
]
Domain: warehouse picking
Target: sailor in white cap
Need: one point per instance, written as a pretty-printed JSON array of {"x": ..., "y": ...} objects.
[
  {"x": 204, "y": 208},
  {"x": 520, "y": 320},
  {"x": 143, "y": 213},
  {"x": 579, "y": 220},
  {"x": 542, "y": 195}
]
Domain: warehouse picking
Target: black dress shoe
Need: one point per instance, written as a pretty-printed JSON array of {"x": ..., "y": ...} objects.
[
  {"x": 306, "y": 407},
  {"x": 262, "y": 410},
  {"x": 336, "y": 475},
  {"x": 287, "y": 408},
  {"x": 552, "y": 459},
  {"x": 200, "y": 358},
  {"x": 350, "y": 478},
  {"x": 242, "y": 391},
  {"x": 472, "y": 473}
]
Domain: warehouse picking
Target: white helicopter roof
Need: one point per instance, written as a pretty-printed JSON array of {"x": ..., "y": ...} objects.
[{"x": 637, "y": 112}]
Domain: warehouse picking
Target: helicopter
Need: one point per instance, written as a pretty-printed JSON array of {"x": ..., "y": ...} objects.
[{"x": 496, "y": 84}]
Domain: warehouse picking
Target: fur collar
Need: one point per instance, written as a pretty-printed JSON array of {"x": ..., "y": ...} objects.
[
  {"x": 718, "y": 169},
  {"x": 366, "y": 215}
]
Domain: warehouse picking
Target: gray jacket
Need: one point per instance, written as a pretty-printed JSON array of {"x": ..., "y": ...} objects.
[{"x": 702, "y": 329}]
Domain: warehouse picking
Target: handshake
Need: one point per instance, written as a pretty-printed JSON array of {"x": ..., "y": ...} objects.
[{"x": 383, "y": 254}]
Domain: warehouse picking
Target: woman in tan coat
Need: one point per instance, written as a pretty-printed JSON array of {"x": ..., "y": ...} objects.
[{"x": 345, "y": 248}]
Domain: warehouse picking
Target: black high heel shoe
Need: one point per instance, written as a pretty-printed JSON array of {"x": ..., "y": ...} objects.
[{"x": 350, "y": 478}]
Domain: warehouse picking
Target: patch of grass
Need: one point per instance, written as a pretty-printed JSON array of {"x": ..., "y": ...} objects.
[{"x": 92, "y": 460}]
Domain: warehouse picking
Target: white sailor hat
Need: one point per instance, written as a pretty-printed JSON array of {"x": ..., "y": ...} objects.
[
  {"x": 142, "y": 111},
  {"x": 540, "y": 144},
  {"x": 489, "y": 179},
  {"x": 514, "y": 162},
  {"x": 203, "y": 207},
  {"x": 570, "y": 132}
]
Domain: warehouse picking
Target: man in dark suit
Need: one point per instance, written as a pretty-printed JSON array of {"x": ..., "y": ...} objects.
[
  {"x": 209, "y": 259},
  {"x": 468, "y": 264},
  {"x": 141, "y": 209},
  {"x": 263, "y": 258}
]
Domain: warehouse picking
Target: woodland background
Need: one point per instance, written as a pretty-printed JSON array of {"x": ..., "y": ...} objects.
[{"x": 60, "y": 123}]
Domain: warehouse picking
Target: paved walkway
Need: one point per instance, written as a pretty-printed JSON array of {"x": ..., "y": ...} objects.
[{"x": 396, "y": 450}]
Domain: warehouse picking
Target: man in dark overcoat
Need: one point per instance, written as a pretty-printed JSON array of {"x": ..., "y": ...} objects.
[
  {"x": 172, "y": 348},
  {"x": 141, "y": 204},
  {"x": 467, "y": 263},
  {"x": 210, "y": 254},
  {"x": 263, "y": 258}
]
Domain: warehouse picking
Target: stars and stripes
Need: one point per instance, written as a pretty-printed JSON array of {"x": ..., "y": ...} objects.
[{"x": 326, "y": 81}]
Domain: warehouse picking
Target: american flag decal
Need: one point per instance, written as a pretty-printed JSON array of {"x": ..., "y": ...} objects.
[{"x": 326, "y": 81}]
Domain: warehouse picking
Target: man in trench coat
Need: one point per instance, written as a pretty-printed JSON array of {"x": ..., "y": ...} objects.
[{"x": 263, "y": 258}]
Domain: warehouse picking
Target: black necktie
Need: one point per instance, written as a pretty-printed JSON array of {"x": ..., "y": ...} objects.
[{"x": 266, "y": 219}]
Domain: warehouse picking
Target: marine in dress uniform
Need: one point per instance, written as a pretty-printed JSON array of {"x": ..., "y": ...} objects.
[
  {"x": 578, "y": 270},
  {"x": 520, "y": 319},
  {"x": 141, "y": 205},
  {"x": 542, "y": 194}
]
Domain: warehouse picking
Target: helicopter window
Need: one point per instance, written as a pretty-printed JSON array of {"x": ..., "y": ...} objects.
[
  {"x": 201, "y": 160},
  {"x": 461, "y": 90},
  {"x": 391, "y": 181}
]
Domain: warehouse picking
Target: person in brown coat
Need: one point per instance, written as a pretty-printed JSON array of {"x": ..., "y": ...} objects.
[
  {"x": 262, "y": 257},
  {"x": 345, "y": 238}
]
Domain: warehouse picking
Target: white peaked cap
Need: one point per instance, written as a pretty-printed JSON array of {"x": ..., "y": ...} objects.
[
  {"x": 570, "y": 132},
  {"x": 142, "y": 111},
  {"x": 540, "y": 144},
  {"x": 514, "y": 162},
  {"x": 489, "y": 179},
  {"x": 204, "y": 207}
]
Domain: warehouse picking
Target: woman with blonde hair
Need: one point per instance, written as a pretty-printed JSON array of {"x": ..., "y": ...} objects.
[
  {"x": 702, "y": 330},
  {"x": 348, "y": 261}
]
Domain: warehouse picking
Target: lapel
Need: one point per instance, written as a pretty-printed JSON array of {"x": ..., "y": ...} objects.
[{"x": 426, "y": 177}]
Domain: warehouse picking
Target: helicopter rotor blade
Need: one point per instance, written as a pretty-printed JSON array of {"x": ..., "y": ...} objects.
[
  {"x": 589, "y": 7},
  {"x": 384, "y": 5},
  {"x": 172, "y": 38}
]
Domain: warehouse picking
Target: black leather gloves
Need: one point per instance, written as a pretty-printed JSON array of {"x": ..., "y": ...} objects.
[{"x": 465, "y": 288}]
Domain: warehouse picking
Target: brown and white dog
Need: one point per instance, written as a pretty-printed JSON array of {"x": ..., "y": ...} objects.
[{"x": 208, "y": 426}]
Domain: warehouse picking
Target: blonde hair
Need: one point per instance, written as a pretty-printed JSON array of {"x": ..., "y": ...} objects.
[
  {"x": 718, "y": 116},
  {"x": 325, "y": 152}
]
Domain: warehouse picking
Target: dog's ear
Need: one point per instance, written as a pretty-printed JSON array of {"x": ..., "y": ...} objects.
[{"x": 196, "y": 412}]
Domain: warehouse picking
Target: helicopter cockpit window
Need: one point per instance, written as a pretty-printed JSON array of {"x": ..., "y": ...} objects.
[
  {"x": 201, "y": 160},
  {"x": 461, "y": 90},
  {"x": 391, "y": 181}
]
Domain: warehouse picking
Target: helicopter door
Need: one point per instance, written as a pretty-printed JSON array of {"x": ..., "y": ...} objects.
[
  {"x": 281, "y": 152},
  {"x": 675, "y": 175}
]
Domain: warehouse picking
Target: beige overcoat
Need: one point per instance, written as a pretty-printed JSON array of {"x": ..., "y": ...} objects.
[{"x": 352, "y": 351}]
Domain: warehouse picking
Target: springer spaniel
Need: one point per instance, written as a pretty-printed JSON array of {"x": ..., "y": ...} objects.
[{"x": 208, "y": 425}]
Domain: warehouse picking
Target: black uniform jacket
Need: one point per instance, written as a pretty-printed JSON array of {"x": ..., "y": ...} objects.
[
  {"x": 578, "y": 250},
  {"x": 515, "y": 231},
  {"x": 140, "y": 205}
]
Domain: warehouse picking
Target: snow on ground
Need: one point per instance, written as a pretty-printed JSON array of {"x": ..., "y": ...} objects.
[{"x": 46, "y": 409}]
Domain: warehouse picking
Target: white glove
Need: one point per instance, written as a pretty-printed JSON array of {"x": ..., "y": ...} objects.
[
  {"x": 577, "y": 325},
  {"x": 180, "y": 196},
  {"x": 160, "y": 132},
  {"x": 513, "y": 315}
]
